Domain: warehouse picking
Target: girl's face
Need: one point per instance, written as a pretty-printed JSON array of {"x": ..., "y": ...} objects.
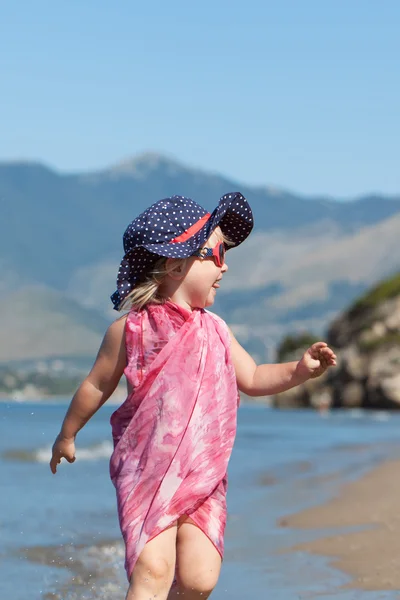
[{"x": 201, "y": 278}]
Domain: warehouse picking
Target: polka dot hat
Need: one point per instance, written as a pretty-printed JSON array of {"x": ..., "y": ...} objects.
[{"x": 176, "y": 227}]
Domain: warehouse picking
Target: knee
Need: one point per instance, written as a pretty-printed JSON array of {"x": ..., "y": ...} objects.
[
  {"x": 154, "y": 569},
  {"x": 200, "y": 582}
]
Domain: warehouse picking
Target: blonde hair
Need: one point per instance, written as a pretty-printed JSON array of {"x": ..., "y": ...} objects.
[{"x": 148, "y": 292}]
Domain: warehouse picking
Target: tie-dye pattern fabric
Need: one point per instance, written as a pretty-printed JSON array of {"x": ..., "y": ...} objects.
[{"x": 173, "y": 436}]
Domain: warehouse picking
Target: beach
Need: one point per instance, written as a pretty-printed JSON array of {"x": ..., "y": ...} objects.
[{"x": 366, "y": 515}]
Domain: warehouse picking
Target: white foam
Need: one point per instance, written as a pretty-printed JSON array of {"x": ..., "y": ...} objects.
[
  {"x": 381, "y": 416},
  {"x": 103, "y": 450},
  {"x": 102, "y": 577},
  {"x": 356, "y": 413}
]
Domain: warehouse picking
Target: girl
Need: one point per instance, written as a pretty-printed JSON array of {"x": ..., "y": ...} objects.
[{"x": 173, "y": 435}]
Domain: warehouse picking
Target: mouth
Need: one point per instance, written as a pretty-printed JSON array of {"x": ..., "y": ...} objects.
[{"x": 216, "y": 284}]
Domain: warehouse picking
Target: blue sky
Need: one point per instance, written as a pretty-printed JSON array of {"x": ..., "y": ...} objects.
[{"x": 299, "y": 94}]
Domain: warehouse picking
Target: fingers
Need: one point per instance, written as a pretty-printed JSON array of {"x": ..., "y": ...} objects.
[
  {"x": 324, "y": 348},
  {"x": 321, "y": 351},
  {"x": 53, "y": 464},
  {"x": 316, "y": 350},
  {"x": 56, "y": 460},
  {"x": 329, "y": 355},
  {"x": 327, "y": 350},
  {"x": 318, "y": 346}
]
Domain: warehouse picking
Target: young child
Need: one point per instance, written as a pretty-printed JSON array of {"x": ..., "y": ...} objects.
[{"x": 173, "y": 435}]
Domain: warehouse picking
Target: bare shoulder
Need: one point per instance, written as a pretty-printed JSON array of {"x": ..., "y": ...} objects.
[
  {"x": 117, "y": 327},
  {"x": 115, "y": 334},
  {"x": 234, "y": 341},
  {"x": 111, "y": 358}
]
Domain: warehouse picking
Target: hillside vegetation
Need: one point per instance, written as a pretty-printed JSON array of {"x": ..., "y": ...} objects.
[{"x": 367, "y": 339}]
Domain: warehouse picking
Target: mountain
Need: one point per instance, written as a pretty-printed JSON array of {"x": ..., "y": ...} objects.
[
  {"x": 38, "y": 322},
  {"x": 63, "y": 232},
  {"x": 314, "y": 267},
  {"x": 53, "y": 222}
]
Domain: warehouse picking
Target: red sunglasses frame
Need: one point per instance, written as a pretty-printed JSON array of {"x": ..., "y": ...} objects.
[{"x": 217, "y": 253}]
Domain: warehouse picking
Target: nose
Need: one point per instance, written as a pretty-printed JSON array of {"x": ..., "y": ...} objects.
[{"x": 224, "y": 268}]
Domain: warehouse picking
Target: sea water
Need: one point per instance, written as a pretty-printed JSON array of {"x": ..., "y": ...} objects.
[{"x": 59, "y": 535}]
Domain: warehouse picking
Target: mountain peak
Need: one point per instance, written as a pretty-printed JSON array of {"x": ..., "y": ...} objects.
[{"x": 146, "y": 163}]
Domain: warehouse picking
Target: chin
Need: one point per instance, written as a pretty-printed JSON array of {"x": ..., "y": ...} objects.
[
  {"x": 203, "y": 302},
  {"x": 210, "y": 300}
]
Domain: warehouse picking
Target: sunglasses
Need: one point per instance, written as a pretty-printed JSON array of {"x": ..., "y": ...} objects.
[{"x": 217, "y": 253}]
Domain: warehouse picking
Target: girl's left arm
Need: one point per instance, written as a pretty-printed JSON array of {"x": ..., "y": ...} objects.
[{"x": 270, "y": 379}]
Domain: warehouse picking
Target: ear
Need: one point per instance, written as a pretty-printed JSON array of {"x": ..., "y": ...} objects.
[{"x": 176, "y": 268}]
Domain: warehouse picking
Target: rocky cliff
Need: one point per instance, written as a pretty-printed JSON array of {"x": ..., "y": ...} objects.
[{"x": 367, "y": 340}]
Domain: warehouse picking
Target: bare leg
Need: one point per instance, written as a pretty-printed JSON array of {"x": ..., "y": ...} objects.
[
  {"x": 154, "y": 571},
  {"x": 198, "y": 561}
]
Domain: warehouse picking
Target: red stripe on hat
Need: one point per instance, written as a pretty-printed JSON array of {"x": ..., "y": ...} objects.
[{"x": 192, "y": 230}]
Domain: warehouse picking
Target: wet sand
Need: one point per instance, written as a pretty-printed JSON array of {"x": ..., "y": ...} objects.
[{"x": 365, "y": 515}]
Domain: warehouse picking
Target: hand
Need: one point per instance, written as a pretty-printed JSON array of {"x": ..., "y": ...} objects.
[
  {"x": 316, "y": 360},
  {"x": 62, "y": 448}
]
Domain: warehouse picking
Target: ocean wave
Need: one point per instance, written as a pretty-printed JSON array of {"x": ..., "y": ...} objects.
[
  {"x": 102, "y": 450},
  {"x": 376, "y": 415},
  {"x": 97, "y": 571},
  {"x": 357, "y": 413},
  {"x": 381, "y": 416}
]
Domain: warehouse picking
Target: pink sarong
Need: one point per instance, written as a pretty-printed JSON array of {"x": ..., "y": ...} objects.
[{"x": 173, "y": 436}]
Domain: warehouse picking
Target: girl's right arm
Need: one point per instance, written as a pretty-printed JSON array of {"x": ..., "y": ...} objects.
[{"x": 96, "y": 388}]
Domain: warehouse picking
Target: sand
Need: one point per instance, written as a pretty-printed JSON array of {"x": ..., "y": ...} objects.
[{"x": 370, "y": 552}]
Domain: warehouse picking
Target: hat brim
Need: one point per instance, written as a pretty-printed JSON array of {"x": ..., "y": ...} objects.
[{"x": 233, "y": 215}]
